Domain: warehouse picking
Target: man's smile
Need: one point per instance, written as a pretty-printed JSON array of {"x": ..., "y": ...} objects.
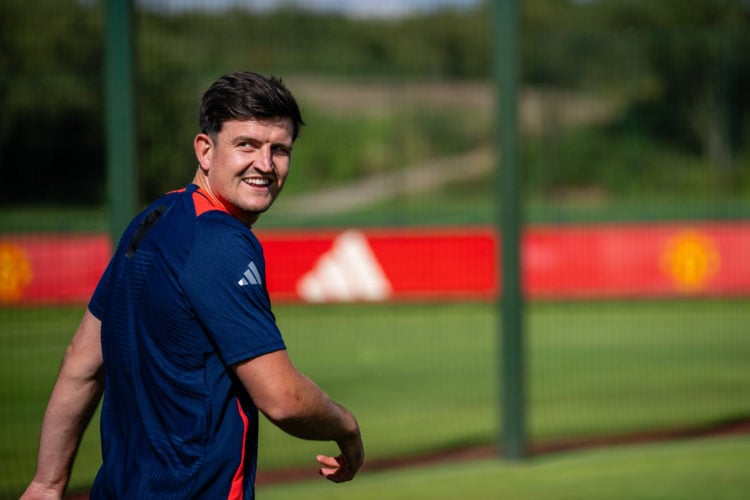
[{"x": 257, "y": 181}]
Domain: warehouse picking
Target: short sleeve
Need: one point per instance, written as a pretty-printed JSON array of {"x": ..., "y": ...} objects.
[
  {"x": 99, "y": 297},
  {"x": 224, "y": 280}
]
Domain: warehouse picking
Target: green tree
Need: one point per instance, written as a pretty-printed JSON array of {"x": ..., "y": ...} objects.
[
  {"x": 51, "y": 141},
  {"x": 697, "y": 70}
]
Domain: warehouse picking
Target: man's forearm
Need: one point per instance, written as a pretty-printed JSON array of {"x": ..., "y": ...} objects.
[
  {"x": 317, "y": 417},
  {"x": 70, "y": 408},
  {"x": 74, "y": 399},
  {"x": 299, "y": 407},
  {"x": 293, "y": 401}
]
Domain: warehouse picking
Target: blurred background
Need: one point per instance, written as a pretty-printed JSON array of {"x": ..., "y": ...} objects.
[{"x": 632, "y": 113}]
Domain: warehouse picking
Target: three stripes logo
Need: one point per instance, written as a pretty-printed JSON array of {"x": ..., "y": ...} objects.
[
  {"x": 348, "y": 272},
  {"x": 251, "y": 276}
]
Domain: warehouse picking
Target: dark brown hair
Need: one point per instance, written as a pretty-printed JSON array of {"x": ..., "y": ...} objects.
[{"x": 246, "y": 95}]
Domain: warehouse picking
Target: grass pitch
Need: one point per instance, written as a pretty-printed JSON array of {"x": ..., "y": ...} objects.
[
  {"x": 423, "y": 377},
  {"x": 713, "y": 468}
]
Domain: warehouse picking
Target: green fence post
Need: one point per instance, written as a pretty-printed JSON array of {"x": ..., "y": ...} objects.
[
  {"x": 513, "y": 439},
  {"x": 120, "y": 114}
]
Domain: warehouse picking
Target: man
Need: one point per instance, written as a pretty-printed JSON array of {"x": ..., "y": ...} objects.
[{"x": 179, "y": 335}]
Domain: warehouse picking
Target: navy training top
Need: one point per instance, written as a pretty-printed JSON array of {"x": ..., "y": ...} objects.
[{"x": 182, "y": 300}]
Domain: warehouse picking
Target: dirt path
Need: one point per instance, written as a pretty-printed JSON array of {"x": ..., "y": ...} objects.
[
  {"x": 415, "y": 179},
  {"x": 483, "y": 452},
  {"x": 540, "y": 111}
]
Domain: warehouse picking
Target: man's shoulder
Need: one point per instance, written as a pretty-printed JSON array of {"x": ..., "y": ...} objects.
[{"x": 224, "y": 240}]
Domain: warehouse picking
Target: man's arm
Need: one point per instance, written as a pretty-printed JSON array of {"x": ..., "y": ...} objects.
[
  {"x": 296, "y": 405},
  {"x": 74, "y": 399}
]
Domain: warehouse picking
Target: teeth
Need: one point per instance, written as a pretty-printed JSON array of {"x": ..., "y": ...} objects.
[{"x": 257, "y": 182}]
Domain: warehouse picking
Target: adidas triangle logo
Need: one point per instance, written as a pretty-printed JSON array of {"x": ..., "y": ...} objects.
[
  {"x": 348, "y": 272},
  {"x": 251, "y": 276}
]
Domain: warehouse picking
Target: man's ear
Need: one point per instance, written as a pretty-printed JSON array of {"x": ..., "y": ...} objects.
[{"x": 204, "y": 149}]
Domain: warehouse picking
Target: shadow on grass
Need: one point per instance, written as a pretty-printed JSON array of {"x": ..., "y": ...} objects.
[{"x": 731, "y": 426}]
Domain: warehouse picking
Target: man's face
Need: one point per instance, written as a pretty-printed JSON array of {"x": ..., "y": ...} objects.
[{"x": 247, "y": 165}]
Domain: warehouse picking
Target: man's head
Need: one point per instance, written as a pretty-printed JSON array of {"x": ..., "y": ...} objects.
[
  {"x": 247, "y": 96},
  {"x": 248, "y": 127}
]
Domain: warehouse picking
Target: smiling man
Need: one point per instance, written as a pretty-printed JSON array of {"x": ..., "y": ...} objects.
[
  {"x": 179, "y": 335},
  {"x": 245, "y": 165}
]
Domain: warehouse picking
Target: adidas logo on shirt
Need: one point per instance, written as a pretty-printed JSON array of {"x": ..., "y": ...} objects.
[{"x": 251, "y": 276}]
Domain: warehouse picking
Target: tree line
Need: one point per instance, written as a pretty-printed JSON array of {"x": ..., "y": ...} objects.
[{"x": 680, "y": 67}]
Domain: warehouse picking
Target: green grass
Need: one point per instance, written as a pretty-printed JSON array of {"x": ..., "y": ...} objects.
[
  {"x": 423, "y": 377},
  {"x": 463, "y": 204},
  {"x": 696, "y": 469},
  {"x": 52, "y": 219}
]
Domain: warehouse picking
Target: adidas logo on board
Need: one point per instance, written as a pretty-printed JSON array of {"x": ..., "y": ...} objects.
[{"x": 348, "y": 272}]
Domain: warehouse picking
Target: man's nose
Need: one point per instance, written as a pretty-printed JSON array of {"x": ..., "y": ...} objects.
[{"x": 264, "y": 159}]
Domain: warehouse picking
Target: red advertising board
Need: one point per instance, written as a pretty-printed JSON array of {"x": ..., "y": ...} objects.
[
  {"x": 559, "y": 262},
  {"x": 353, "y": 265},
  {"x": 54, "y": 268},
  {"x": 637, "y": 260}
]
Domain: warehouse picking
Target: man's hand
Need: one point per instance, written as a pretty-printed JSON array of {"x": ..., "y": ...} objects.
[
  {"x": 343, "y": 468},
  {"x": 335, "y": 469}
]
